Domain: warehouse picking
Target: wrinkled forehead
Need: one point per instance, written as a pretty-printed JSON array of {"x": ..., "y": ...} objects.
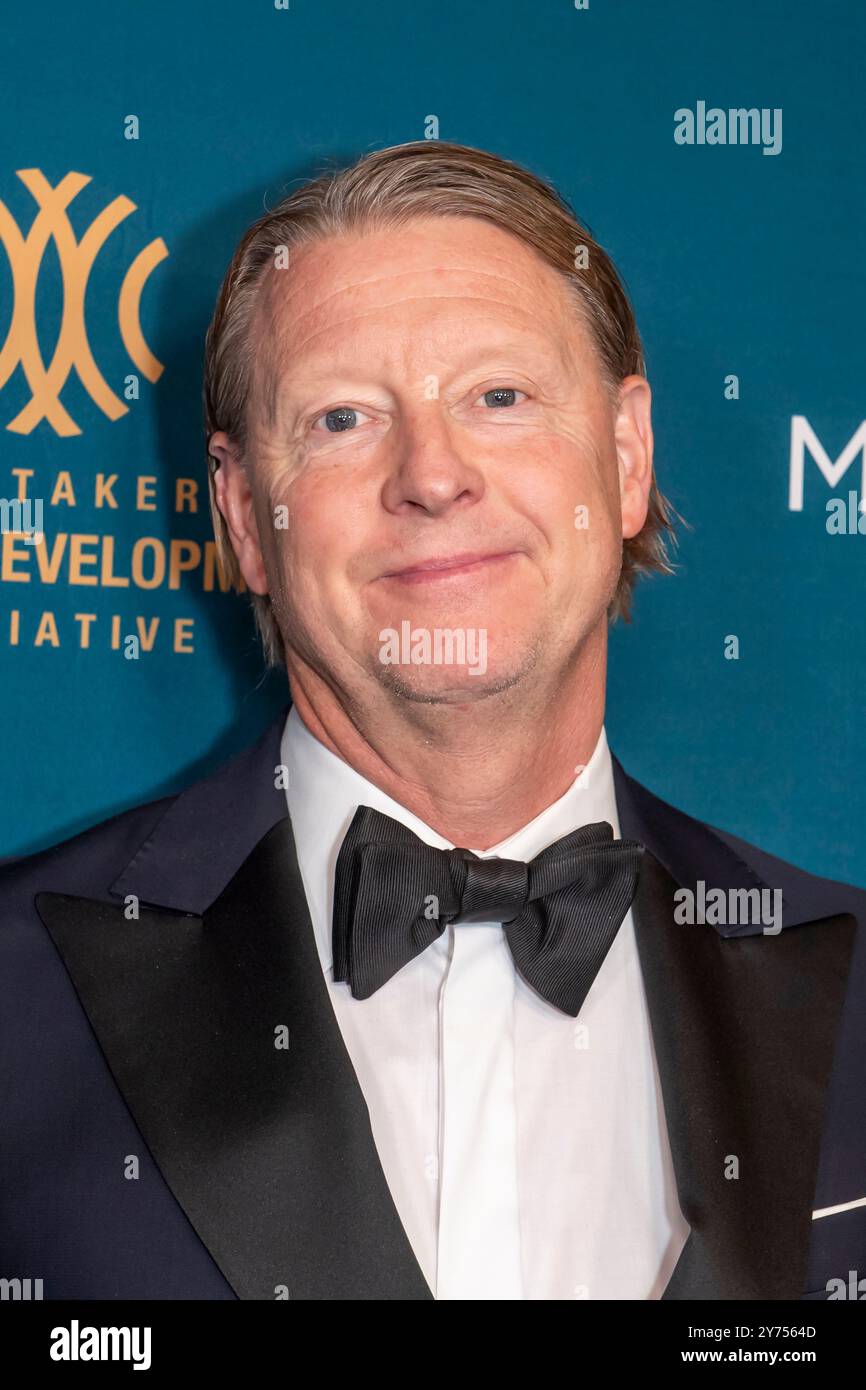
[{"x": 462, "y": 270}]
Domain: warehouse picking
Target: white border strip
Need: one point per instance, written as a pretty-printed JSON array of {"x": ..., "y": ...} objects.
[{"x": 834, "y": 1211}]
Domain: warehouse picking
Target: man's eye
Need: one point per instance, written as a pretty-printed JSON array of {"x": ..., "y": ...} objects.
[
  {"x": 343, "y": 417},
  {"x": 501, "y": 396}
]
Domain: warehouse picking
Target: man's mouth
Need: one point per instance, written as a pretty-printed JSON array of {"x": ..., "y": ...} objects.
[{"x": 447, "y": 566}]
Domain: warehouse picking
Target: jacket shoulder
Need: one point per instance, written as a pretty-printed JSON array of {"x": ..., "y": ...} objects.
[
  {"x": 811, "y": 889},
  {"x": 175, "y": 839},
  {"x": 84, "y": 864},
  {"x": 694, "y": 849}
]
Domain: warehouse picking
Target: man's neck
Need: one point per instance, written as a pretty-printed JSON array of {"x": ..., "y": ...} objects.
[{"x": 474, "y": 772}]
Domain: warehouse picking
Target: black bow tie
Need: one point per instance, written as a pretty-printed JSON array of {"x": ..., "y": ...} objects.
[{"x": 394, "y": 895}]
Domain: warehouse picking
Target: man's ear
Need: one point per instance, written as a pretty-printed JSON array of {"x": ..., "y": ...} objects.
[
  {"x": 634, "y": 450},
  {"x": 234, "y": 498}
]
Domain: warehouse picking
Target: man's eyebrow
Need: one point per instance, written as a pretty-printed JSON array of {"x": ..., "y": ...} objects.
[{"x": 320, "y": 366}]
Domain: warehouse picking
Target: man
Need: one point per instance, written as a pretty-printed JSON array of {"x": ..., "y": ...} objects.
[{"x": 423, "y": 996}]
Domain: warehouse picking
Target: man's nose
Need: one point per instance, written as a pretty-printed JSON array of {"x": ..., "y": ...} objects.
[{"x": 430, "y": 467}]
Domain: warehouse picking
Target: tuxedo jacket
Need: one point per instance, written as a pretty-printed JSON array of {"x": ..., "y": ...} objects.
[{"x": 155, "y": 1143}]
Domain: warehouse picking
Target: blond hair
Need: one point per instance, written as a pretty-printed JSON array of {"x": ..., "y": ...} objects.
[{"x": 385, "y": 189}]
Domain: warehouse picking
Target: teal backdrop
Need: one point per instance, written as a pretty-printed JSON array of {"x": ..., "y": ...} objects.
[{"x": 740, "y": 264}]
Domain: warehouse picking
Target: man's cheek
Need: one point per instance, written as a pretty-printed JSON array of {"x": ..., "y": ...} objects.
[{"x": 325, "y": 599}]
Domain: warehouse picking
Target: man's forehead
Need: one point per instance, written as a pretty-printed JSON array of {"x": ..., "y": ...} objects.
[
  {"x": 447, "y": 256},
  {"x": 420, "y": 246},
  {"x": 477, "y": 290}
]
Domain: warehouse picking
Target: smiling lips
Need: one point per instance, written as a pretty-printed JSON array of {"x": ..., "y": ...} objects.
[{"x": 446, "y": 566}]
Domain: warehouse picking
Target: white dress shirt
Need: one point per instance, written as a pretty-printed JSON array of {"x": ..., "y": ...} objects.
[{"x": 526, "y": 1151}]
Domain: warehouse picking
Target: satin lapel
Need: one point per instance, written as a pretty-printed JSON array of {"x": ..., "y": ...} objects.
[
  {"x": 268, "y": 1149},
  {"x": 744, "y": 1030}
]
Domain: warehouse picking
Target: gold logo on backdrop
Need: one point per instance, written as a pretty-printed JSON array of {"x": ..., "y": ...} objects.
[{"x": 76, "y": 262}]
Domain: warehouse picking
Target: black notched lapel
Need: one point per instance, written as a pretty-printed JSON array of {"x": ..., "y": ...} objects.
[
  {"x": 268, "y": 1149},
  {"x": 744, "y": 1028}
]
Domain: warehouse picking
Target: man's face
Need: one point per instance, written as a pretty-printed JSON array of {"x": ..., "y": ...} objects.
[{"x": 444, "y": 458}]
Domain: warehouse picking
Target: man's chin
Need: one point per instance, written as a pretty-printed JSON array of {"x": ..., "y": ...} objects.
[{"x": 432, "y": 685}]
